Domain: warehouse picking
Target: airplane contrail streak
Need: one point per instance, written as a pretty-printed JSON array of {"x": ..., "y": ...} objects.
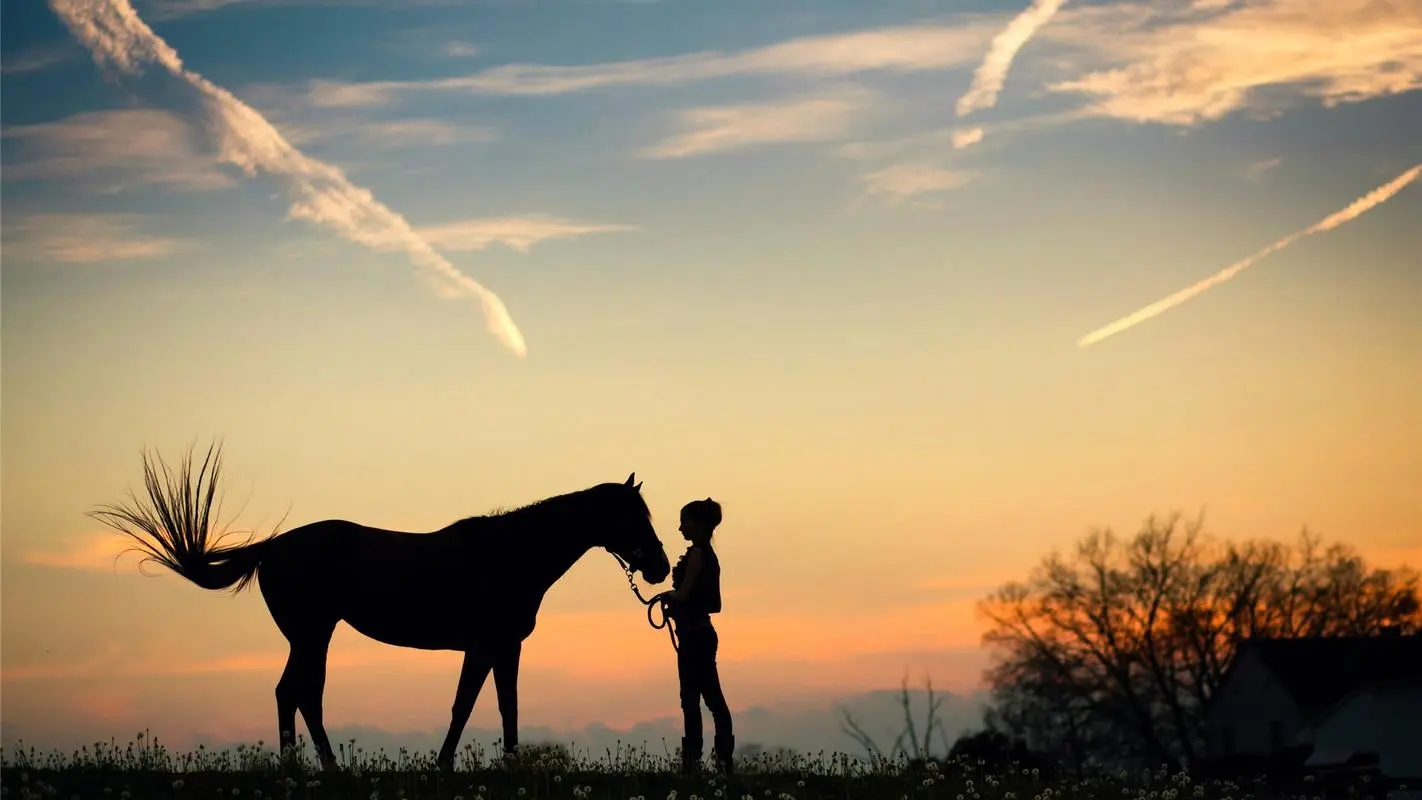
[
  {"x": 1354, "y": 210},
  {"x": 321, "y": 193},
  {"x": 992, "y": 73}
]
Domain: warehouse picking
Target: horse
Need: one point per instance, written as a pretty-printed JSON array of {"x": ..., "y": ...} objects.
[{"x": 473, "y": 586}]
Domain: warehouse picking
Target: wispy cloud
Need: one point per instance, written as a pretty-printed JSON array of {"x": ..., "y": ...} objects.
[
  {"x": 992, "y": 73},
  {"x": 113, "y": 150},
  {"x": 84, "y": 239},
  {"x": 90, "y": 551},
  {"x": 174, "y": 9},
  {"x": 904, "y": 182},
  {"x": 131, "y": 665},
  {"x": 931, "y": 142},
  {"x": 716, "y": 129},
  {"x": 321, "y": 192},
  {"x": 35, "y": 58},
  {"x": 390, "y": 134},
  {"x": 1178, "y": 68},
  {"x": 966, "y": 137},
  {"x": 520, "y": 233},
  {"x": 1368, "y": 201},
  {"x": 912, "y": 48},
  {"x": 421, "y": 133},
  {"x": 459, "y": 49},
  {"x": 1256, "y": 171}
]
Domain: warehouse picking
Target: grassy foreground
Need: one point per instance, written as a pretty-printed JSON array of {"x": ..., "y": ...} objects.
[{"x": 145, "y": 769}]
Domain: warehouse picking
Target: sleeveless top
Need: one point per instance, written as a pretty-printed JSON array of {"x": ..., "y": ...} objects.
[{"x": 705, "y": 597}]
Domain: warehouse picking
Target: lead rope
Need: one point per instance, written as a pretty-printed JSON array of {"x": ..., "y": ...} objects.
[{"x": 657, "y": 601}]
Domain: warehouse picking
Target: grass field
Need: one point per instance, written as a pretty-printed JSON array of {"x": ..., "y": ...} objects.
[{"x": 146, "y": 769}]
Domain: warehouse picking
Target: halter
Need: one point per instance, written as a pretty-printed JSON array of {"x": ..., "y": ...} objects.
[{"x": 656, "y": 601}]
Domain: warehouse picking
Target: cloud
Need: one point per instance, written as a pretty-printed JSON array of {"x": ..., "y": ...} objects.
[
  {"x": 1354, "y": 210},
  {"x": 85, "y": 239},
  {"x": 966, "y": 137},
  {"x": 992, "y": 73},
  {"x": 1256, "y": 171},
  {"x": 907, "y": 181},
  {"x": 174, "y": 9},
  {"x": 717, "y": 129},
  {"x": 115, "y": 150},
  {"x": 1178, "y": 68},
  {"x": 421, "y": 132},
  {"x": 520, "y": 233},
  {"x": 459, "y": 49},
  {"x": 392, "y": 134},
  {"x": 903, "y": 49},
  {"x": 321, "y": 192},
  {"x": 35, "y": 58},
  {"x": 90, "y": 551},
  {"x": 931, "y": 142}
]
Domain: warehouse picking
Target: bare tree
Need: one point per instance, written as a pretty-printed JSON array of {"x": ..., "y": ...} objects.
[
  {"x": 1118, "y": 648},
  {"x": 918, "y": 750}
]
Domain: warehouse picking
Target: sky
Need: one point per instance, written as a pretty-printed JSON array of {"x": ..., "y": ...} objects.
[{"x": 919, "y": 291}]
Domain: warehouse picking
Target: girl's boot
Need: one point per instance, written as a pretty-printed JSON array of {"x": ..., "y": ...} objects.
[
  {"x": 725, "y": 747},
  {"x": 690, "y": 756}
]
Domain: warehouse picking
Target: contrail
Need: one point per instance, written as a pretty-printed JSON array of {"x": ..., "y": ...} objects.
[
  {"x": 1374, "y": 198},
  {"x": 321, "y": 193},
  {"x": 992, "y": 73}
]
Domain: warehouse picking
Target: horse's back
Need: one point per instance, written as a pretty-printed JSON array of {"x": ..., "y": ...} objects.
[{"x": 403, "y": 588}]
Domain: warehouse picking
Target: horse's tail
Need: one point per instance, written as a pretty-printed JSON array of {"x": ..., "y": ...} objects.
[{"x": 174, "y": 527}]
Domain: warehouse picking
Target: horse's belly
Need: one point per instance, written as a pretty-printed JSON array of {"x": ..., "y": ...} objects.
[
  {"x": 409, "y": 633},
  {"x": 415, "y": 617}
]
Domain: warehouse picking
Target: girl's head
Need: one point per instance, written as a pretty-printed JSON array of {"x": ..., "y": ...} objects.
[{"x": 699, "y": 519}]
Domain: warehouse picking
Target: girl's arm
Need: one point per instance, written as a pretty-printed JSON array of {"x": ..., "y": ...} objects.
[{"x": 693, "y": 569}]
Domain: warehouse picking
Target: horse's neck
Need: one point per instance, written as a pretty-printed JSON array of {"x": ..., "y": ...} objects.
[{"x": 549, "y": 542}]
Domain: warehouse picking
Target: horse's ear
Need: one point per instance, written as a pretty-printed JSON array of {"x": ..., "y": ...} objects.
[
  {"x": 638, "y": 487},
  {"x": 630, "y": 478}
]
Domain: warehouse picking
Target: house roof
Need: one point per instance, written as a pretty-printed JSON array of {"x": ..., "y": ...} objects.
[{"x": 1319, "y": 671}]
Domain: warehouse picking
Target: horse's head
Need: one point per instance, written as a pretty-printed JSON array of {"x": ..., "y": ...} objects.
[{"x": 628, "y": 533}]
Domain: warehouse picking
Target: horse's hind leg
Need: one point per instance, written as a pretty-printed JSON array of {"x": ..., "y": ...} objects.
[
  {"x": 286, "y": 697},
  {"x": 302, "y": 686}
]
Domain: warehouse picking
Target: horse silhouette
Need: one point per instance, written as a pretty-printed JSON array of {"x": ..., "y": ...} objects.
[{"x": 473, "y": 586}]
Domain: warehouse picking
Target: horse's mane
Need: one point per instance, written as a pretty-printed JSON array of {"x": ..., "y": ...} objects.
[{"x": 500, "y": 513}]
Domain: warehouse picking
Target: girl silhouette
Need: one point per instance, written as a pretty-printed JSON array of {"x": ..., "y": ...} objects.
[{"x": 695, "y": 596}]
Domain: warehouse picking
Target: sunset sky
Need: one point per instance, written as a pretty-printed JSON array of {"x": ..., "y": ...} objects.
[{"x": 829, "y": 262}]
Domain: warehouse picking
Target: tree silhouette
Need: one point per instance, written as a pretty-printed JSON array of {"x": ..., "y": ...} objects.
[
  {"x": 920, "y": 748},
  {"x": 1118, "y": 648}
]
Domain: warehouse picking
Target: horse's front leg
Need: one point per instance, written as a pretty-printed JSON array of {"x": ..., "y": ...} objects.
[
  {"x": 471, "y": 680},
  {"x": 506, "y": 685}
]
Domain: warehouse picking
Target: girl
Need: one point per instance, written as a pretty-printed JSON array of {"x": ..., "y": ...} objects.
[{"x": 695, "y": 596}]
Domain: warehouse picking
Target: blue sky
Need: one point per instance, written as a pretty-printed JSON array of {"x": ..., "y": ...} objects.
[{"x": 768, "y": 252}]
